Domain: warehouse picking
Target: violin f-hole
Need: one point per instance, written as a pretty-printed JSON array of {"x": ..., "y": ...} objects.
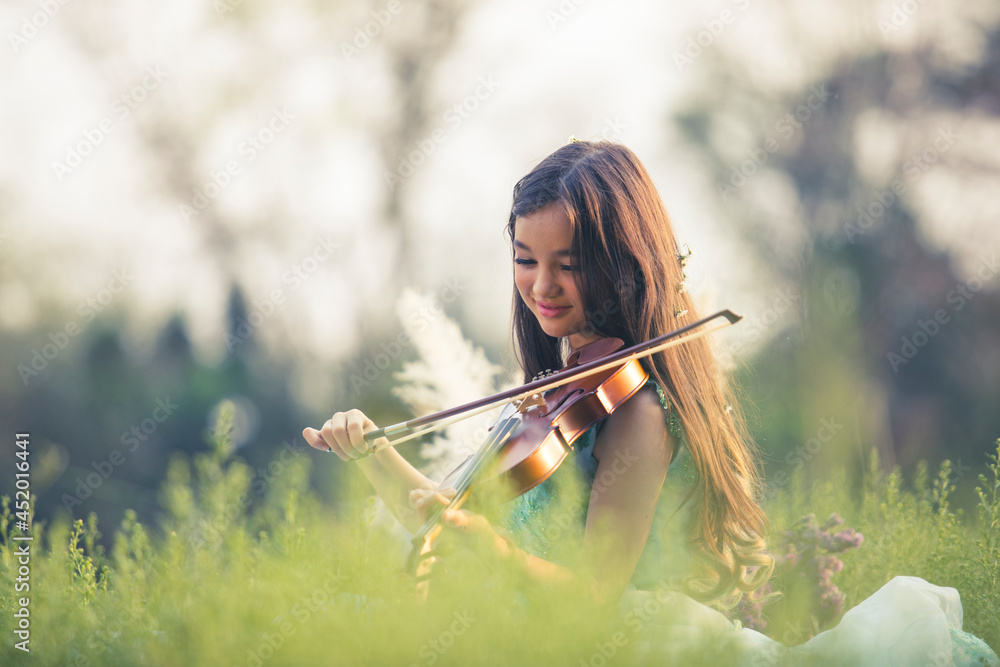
[{"x": 562, "y": 400}]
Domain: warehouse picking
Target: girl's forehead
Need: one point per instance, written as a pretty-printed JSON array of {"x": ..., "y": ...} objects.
[{"x": 545, "y": 226}]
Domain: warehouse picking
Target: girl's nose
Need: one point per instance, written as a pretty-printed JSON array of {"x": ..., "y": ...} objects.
[{"x": 546, "y": 284}]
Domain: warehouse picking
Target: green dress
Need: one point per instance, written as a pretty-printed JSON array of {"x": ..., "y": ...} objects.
[{"x": 549, "y": 518}]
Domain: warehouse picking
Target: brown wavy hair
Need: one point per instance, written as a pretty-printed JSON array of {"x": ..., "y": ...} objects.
[{"x": 629, "y": 279}]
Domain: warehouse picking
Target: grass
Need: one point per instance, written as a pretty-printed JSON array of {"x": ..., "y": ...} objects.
[{"x": 293, "y": 582}]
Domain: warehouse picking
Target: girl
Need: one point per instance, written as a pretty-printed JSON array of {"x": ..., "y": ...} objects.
[
  {"x": 592, "y": 243},
  {"x": 594, "y": 256}
]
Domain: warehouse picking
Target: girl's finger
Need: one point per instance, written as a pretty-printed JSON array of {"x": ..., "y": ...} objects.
[
  {"x": 431, "y": 498},
  {"x": 334, "y": 432},
  {"x": 328, "y": 444},
  {"x": 459, "y": 519},
  {"x": 356, "y": 444},
  {"x": 335, "y": 449},
  {"x": 419, "y": 498},
  {"x": 415, "y": 495},
  {"x": 314, "y": 439}
]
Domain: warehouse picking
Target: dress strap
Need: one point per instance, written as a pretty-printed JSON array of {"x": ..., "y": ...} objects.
[{"x": 673, "y": 419}]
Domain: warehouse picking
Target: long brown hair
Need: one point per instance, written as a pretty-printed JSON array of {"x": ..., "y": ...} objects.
[{"x": 630, "y": 278}]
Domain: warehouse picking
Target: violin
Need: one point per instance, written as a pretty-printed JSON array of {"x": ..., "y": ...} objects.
[
  {"x": 532, "y": 437},
  {"x": 537, "y": 429}
]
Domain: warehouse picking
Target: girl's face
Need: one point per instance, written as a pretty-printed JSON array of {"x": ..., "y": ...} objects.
[{"x": 545, "y": 274}]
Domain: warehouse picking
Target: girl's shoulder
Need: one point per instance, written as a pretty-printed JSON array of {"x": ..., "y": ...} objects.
[
  {"x": 638, "y": 422},
  {"x": 651, "y": 408}
]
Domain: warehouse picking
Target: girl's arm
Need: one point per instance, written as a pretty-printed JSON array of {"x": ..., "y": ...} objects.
[
  {"x": 634, "y": 450},
  {"x": 390, "y": 474}
]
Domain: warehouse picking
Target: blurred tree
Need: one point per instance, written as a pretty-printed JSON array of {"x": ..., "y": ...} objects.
[
  {"x": 879, "y": 311},
  {"x": 414, "y": 56}
]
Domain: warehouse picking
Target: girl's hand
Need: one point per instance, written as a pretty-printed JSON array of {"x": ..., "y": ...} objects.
[
  {"x": 473, "y": 529},
  {"x": 426, "y": 501},
  {"x": 344, "y": 435}
]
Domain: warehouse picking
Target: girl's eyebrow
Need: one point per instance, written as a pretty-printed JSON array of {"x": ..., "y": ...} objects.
[{"x": 560, "y": 253}]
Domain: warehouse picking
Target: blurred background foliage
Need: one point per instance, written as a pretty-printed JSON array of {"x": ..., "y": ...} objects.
[{"x": 772, "y": 129}]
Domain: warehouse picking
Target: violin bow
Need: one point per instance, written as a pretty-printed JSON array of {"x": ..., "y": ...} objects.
[{"x": 407, "y": 430}]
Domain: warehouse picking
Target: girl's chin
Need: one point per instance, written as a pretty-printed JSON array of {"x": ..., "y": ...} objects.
[
  {"x": 559, "y": 332},
  {"x": 557, "y": 328},
  {"x": 556, "y": 332}
]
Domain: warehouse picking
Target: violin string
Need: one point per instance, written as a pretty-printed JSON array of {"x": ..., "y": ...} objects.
[
  {"x": 489, "y": 448},
  {"x": 492, "y": 444}
]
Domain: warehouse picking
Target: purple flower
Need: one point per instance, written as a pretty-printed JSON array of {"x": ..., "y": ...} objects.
[
  {"x": 808, "y": 563},
  {"x": 848, "y": 539},
  {"x": 828, "y": 542}
]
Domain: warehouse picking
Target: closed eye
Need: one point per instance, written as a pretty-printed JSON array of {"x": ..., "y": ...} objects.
[{"x": 530, "y": 262}]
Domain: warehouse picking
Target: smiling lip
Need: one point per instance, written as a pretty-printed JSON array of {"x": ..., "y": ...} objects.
[{"x": 551, "y": 310}]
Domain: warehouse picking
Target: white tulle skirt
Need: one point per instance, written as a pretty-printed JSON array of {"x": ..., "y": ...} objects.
[{"x": 906, "y": 622}]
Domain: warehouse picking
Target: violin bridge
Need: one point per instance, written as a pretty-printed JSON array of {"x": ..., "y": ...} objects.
[{"x": 529, "y": 402}]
